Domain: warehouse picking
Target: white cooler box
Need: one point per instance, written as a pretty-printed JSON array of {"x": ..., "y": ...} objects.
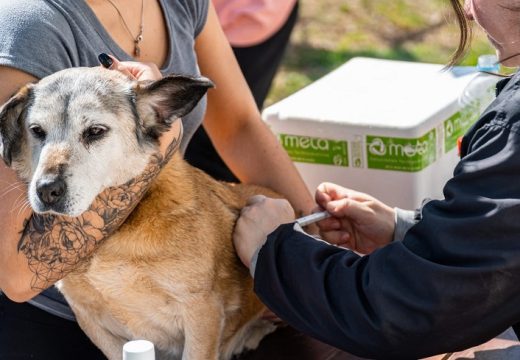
[{"x": 388, "y": 128}]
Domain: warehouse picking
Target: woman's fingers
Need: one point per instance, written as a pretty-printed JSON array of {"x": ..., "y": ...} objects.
[
  {"x": 111, "y": 63},
  {"x": 329, "y": 224},
  {"x": 106, "y": 60},
  {"x": 350, "y": 209},
  {"x": 334, "y": 191},
  {"x": 134, "y": 70}
]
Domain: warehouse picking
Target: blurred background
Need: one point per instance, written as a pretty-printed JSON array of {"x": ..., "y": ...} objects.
[{"x": 330, "y": 32}]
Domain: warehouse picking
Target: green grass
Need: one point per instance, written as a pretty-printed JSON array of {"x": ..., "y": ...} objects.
[{"x": 330, "y": 32}]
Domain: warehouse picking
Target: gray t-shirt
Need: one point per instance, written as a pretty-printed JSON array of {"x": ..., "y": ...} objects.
[{"x": 41, "y": 37}]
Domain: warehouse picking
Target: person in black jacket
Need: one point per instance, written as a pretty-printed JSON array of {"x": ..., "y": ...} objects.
[{"x": 438, "y": 280}]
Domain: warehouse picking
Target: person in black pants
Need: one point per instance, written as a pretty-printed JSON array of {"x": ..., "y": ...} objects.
[
  {"x": 259, "y": 64},
  {"x": 70, "y": 341}
]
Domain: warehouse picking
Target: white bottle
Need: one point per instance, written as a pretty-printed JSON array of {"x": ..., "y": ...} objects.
[
  {"x": 480, "y": 91},
  {"x": 138, "y": 350}
]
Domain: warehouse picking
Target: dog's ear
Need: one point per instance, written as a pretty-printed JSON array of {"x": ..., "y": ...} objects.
[
  {"x": 11, "y": 124},
  {"x": 160, "y": 102}
]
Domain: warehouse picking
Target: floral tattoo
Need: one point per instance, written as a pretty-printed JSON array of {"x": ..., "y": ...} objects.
[{"x": 54, "y": 245}]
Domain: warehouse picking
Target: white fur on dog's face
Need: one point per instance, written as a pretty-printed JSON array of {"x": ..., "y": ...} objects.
[
  {"x": 90, "y": 138},
  {"x": 88, "y": 129}
]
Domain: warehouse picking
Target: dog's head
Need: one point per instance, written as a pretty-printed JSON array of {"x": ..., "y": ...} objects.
[{"x": 81, "y": 130}]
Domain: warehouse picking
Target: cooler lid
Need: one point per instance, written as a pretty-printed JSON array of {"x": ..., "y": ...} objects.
[{"x": 376, "y": 93}]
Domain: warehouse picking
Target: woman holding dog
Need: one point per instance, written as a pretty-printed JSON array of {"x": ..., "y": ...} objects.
[
  {"x": 40, "y": 37},
  {"x": 439, "y": 280}
]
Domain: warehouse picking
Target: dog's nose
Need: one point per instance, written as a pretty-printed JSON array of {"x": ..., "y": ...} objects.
[{"x": 50, "y": 191}]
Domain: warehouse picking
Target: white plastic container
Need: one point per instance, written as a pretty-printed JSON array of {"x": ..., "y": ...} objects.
[
  {"x": 388, "y": 128},
  {"x": 138, "y": 350}
]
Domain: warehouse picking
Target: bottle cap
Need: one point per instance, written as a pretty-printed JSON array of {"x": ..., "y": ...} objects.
[
  {"x": 138, "y": 350},
  {"x": 488, "y": 63}
]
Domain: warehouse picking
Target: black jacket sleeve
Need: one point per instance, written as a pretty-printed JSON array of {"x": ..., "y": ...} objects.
[{"x": 452, "y": 283}]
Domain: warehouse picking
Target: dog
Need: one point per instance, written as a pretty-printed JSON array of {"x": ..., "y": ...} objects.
[{"x": 169, "y": 274}]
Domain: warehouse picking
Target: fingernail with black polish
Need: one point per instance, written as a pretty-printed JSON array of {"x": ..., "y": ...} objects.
[{"x": 105, "y": 60}]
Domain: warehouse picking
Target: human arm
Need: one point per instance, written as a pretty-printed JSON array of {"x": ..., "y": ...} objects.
[
  {"x": 234, "y": 125},
  {"x": 458, "y": 267},
  {"x": 15, "y": 274},
  {"x": 37, "y": 250},
  {"x": 24, "y": 57},
  {"x": 35, "y": 259},
  {"x": 359, "y": 222}
]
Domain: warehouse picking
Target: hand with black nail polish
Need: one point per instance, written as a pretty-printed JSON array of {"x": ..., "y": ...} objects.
[
  {"x": 105, "y": 60},
  {"x": 133, "y": 69}
]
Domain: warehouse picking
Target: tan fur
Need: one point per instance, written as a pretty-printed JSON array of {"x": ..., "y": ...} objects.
[
  {"x": 58, "y": 157},
  {"x": 171, "y": 275}
]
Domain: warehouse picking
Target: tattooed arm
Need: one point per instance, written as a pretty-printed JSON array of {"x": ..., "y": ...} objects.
[
  {"x": 38, "y": 250},
  {"x": 54, "y": 245}
]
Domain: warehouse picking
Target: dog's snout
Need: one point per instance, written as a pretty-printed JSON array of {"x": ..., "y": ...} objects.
[{"x": 51, "y": 191}]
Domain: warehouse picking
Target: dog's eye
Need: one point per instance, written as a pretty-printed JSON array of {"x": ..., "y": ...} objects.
[
  {"x": 38, "y": 132},
  {"x": 94, "y": 133}
]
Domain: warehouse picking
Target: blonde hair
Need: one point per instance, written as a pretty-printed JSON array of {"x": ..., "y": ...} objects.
[{"x": 464, "y": 31}]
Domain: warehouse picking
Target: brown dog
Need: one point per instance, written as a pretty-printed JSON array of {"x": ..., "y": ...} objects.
[{"x": 169, "y": 274}]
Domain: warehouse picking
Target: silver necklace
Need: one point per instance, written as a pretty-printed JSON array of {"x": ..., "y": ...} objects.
[{"x": 137, "y": 39}]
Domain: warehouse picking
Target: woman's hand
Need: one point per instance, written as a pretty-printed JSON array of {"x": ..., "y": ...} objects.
[
  {"x": 139, "y": 71},
  {"x": 260, "y": 217},
  {"x": 359, "y": 222}
]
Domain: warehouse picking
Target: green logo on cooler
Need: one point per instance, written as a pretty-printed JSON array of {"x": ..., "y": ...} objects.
[
  {"x": 457, "y": 125},
  {"x": 401, "y": 154},
  {"x": 313, "y": 150}
]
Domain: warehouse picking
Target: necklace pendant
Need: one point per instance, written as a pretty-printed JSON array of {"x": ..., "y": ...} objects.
[{"x": 137, "y": 50}]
